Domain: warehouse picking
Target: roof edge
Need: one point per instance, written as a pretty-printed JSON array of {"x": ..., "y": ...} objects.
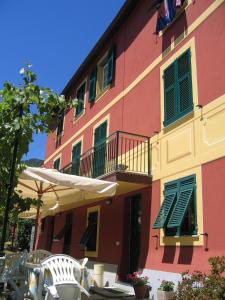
[{"x": 122, "y": 15}]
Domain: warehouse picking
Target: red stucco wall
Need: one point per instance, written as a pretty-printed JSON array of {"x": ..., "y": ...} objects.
[
  {"x": 179, "y": 259},
  {"x": 137, "y": 47},
  {"x": 139, "y": 112}
]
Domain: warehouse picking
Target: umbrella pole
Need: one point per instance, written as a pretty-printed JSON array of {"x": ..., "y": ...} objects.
[{"x": 37, "y": 225}]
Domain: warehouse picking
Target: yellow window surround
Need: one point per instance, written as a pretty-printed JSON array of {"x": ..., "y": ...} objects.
[
  {"x": 100, "y": 90},
  {"x": 76, "y": 118},
  {"x": 189, "y": 45},
  {"x": 91, "y": 210},
  {"x": 195, "y": 240}
]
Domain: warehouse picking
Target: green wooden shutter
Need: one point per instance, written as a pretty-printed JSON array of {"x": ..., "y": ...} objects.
[
  {"x": 56, "y": 164},
  {"x": 92, "y": 85},
  {"x": 80, "y": 97},
  {"x": 111, "y": 65},
  {"x": 105, "y": 75},
  {"x": 60, "y": 125},
  {"x": 103, "y": 129},
  {"x": 99, "y": 150},
  {"x": 170, "y": 194},
  {"x": 184, "y": 84},
  {"x": 76, "y": 159},
  {"x": 164, "y": 211},
  {"x": 186, "y": 190},
  {"x": 169, "y": 94}
]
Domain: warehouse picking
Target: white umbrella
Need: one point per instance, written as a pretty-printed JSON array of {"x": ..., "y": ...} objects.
[{"x": 57, "y": 189}]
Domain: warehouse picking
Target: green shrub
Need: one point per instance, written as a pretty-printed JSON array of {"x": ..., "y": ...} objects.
[{"x": 200, "y": 286}]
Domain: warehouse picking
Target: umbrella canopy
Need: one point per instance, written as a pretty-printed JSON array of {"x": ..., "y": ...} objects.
[{"x": 57, "y": 190}]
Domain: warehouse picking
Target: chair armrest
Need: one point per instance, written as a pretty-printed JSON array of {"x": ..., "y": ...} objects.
[{"x": 52, "y": 291}]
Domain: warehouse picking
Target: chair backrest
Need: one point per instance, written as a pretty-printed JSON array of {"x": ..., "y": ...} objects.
[
  {"x": 63, "y": 269},
  {"x": 37, "y": 256}
]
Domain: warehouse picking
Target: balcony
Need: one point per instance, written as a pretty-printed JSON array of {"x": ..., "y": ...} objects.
[{"x": 122, "y": 156}]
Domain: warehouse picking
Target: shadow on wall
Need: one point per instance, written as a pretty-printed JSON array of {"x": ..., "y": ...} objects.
[
  {"x": 185, "y": 255},
  {"x": 175, "y": 30}
]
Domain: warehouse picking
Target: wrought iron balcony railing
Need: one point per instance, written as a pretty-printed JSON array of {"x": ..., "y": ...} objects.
[{"x": 121, "y": 151}]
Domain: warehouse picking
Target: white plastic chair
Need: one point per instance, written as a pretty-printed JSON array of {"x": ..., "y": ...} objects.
[
  {"x": 60, "y": 277},
  {"x": 15, "y": 273},
  {"x": 33, "y": 266}
]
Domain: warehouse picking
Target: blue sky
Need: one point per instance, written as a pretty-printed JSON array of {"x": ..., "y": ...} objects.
[{"x": 55, "y": 36}]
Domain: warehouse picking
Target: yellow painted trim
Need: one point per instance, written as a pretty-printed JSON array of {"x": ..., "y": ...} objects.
[
  {"x": 100, "y": 96},
  {"x": 185, "y": 240},
  {"x": 90, "y": 210},
  {"x": 199, "y": 140},
  {"x": 216, "y": 4},
  {"x": 189, "y": 45}
]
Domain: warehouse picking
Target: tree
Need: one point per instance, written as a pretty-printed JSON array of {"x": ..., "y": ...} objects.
[{"x": 24, "y": 110}]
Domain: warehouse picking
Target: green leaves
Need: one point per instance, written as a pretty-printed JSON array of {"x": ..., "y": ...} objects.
[{"x": 40, "y": 108}]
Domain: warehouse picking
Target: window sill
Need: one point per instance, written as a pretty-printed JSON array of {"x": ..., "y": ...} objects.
[
  {"x": 102, "y": 93},
  {"x": 78, "y": 117},
  {"x": 178, "y": 122},
  {"x": 91, "y": 253},
  {"x": 192, "y": 240},
  {"x": 179, "y": 13},
  {"x": 58, "y": 139}
]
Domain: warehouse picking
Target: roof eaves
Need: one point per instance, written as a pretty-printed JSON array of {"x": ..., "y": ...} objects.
[{"x": 124, "y": 12}]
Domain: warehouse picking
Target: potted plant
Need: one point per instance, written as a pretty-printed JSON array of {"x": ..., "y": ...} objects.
[
  {"x": 166, "y": 290},
  {"x": 140, "y": 285}
]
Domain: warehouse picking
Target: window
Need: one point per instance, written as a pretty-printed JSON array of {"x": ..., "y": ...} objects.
[
  {"x": 89, "y": 238},
  {"x": 102, "y": 76},
  {"x": 100, "y": 151},
  {"x": 59, "y": 132},
  {"x": 76, "y": 159},
  {"x": 178, "y": 99},
  {"x": 80, "y": 98},
  {"x": 60, "y": 125},
  {"x": 56, "y": 164},
  {"x": 177, "y": 214}
]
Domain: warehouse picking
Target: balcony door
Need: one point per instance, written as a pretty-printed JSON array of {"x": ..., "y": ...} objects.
[
  {"x": 131, "y": 237},
  {"x": 99, "y": 157},
  {"x": 68, "y": 234}
]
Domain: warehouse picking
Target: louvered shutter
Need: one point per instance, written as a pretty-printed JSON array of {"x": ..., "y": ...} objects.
[
  {"x": 76, "y": 159},
  {"x": 99, "y": 150},
  {"x": 80, "y": 97},
  {"x": 184, "y": 84},
  {"x": 60, "y": 125},
  {"x": 56, "y": 164},
  {"x": 169, "y": 94},
  {"x": 92, "y": 85},
  {"x": 183, "y": 201},
  {"x": 170, "y": 194},
  {"x": 111, "y": 65},
  {"x": 103, "y": 129}
]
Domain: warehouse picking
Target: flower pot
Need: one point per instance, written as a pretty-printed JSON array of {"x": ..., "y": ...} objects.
[
  {"x": 164, "y": 295},
  {"x": 141, "y": 291}
]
